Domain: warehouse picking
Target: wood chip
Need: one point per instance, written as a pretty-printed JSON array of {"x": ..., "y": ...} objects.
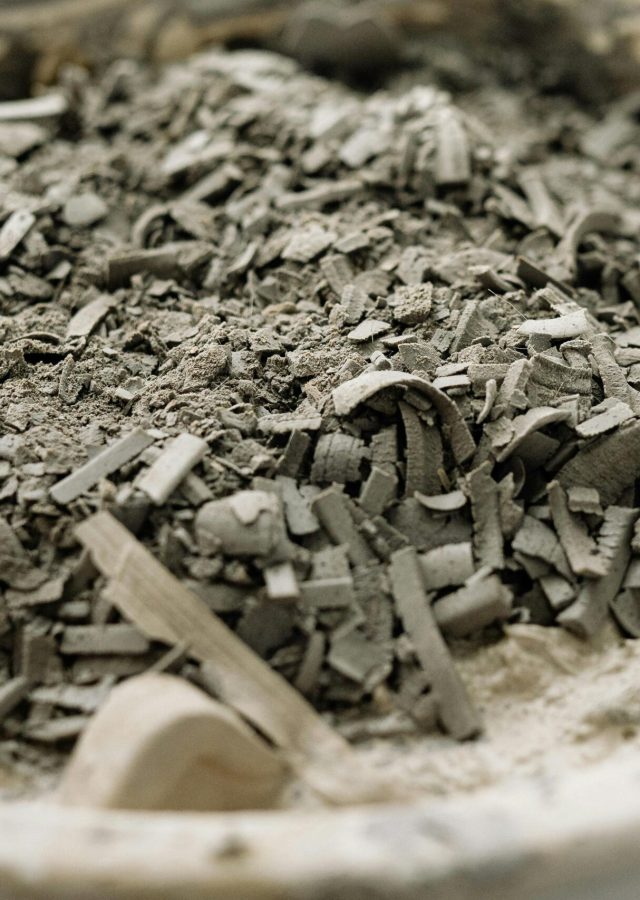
[
  {"x": 12, "y": 692},
  {"x": 90, "y": 315},
  {"x": 488, "y": 539},
  {"x": 354, "y": 302},
  {"x": 580, "y": 548},
  {"x": 309, "y": 672},
  {"x": 47, "y": 106},
  {"x": 443, "y": 503},
  {"x": 584, "y": 500},
  {"x": 446, "y": 566},
  {"x": 103, "y": 640},
  {"x": 606, "y": 416},
  {"x": 424, "y": 457},
  {"x": 284, "y": 423},
  {"x": 511, "y": 395},
  {"x": 14, "y": 230},
  {"x": 320, "y": 195},
  {"x": 82, "y": 210},
  {"x": 368, "y": 330},
  {"x": 378, "y": 491},
  {"x": 248, "y": 523},
  {"x": 625, "y": 607},
  {"x": 331, "y": 562},
  {"x": 550, "y": 379},
  {"x": 19, "y": 138},
  {"x": 161, "y": 479},
  {"x": 491, "y": 394},
  {"x": 54, "y": 731},
  {"x": 635, "y": 542},
  {"x": 545, "y": 212},
  {"x": 308, "y": 243},
  {"x": 527, "y": 424},
  {"x": 328, "y": 593},
  {"x": 481, "y": 602},
  {"x": 297, "y": 509},
  {"x": 453, "y": 158},
  {"x": 85, "y": 698},
  {"x": 613, "y": 378},
  {"x": 360, "y": 147},
  {"x": 471, "y": 326},
  {"x": 559, "y": 592},
  {"x": 48, "y": 592},
  {"x": 455, "y": 709},
  {"x": 333, "y": 511},
  {"x": 537, "y": 277},
  {"x": 610, "y": 464},
  {"x": 338, "y": 271},
  {"x": 195, "y": 489},
  {"x": 292, "y": 459},
  {"x": 161, "y": 262},
  {"x": 338, "y": 458},
  {"x": 452, "y": 383},
  {"x": 384, "y": 449},
  {"x": 562, "y": 327},
  {"x": 587, "y": 615},
  {"x": 358, "y": 659},
  {"x": 585, "y": 222},
  {"x": 102, "y": 464},
  {"x": 281, "y": 582},
  {"x": 37, "y": 657},
  {"x": 537, "y": 539}
]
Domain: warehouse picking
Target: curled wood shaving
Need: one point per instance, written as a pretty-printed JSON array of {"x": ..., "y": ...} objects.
[
  {"x": 491, "y": 393},
  {"x": 350, "y": 394}
]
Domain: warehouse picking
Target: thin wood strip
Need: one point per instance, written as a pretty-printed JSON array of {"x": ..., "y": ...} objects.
[
  {"x": 454, "y": 705},
  {"x": 104, "y": 463},
  {"x": 153, "y": 599}
]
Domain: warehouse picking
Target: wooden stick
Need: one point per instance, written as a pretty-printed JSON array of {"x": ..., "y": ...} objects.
[{"x": 156, "y": 602}]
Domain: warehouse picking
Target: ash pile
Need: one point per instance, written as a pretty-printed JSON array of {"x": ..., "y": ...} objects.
[{"x": 361, "y": 372}]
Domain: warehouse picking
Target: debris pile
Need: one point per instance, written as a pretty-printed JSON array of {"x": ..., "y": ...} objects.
[{"x": 361, "y": 373}]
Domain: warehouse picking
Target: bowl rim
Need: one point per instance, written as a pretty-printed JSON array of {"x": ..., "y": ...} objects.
[{"x": 573, "y": 836}]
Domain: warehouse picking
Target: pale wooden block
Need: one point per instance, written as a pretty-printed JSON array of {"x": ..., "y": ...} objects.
[{"x": 160, "y": 743}]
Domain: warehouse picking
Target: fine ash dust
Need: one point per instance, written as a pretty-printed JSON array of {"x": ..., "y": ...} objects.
[{"x": 550, "y": 703}]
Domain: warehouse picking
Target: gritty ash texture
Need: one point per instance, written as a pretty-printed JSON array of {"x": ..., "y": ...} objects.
[{"x": 362, "y": 371}]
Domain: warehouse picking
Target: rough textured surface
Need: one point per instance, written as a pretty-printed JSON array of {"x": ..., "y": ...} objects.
[{"x": 291, "y": 288}]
